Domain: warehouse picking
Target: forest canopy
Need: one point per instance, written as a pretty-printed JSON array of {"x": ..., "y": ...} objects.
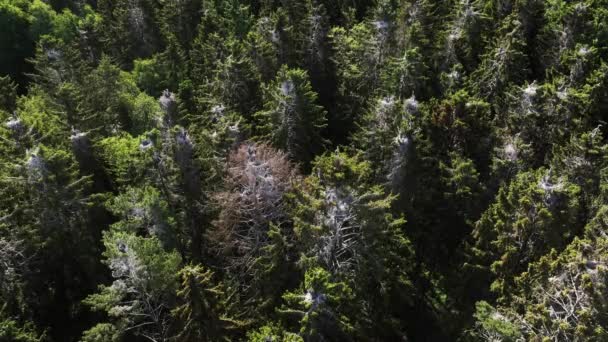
[{"x": 303, "y": 170}]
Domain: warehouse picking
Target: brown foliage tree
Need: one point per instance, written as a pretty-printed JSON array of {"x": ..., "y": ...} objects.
[{"x": 258, "y": 176}]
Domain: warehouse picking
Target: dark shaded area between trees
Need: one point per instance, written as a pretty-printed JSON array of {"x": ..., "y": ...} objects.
[{"x": 303, "y": 170}]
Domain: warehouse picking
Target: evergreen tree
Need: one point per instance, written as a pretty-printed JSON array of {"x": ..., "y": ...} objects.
[
  {"x": 542, "y": 211},
  {"x": 344, "y": 225},
  {"x": 203, "y": 314},
  {"x": 144, "y": 287},
  {"x": 164, "y": 173},
  {"x": 291, "y": 119}
]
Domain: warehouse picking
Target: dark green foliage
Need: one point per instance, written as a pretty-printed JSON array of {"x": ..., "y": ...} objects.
[
  {"x": 17, "y": 44},
  {"x": 204, "y": 312},
  {"x": 292, "y": 120},
  {"x": 9, "y": 89},
  {"x": 343, "y": 224},
  {"x": 533, "y": 215},
  {"x": 127, "y": 29},
  {"x": 303, "y": 170}
]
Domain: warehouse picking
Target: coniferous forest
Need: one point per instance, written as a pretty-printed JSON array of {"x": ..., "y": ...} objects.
[{"x": 303, "y": 170}]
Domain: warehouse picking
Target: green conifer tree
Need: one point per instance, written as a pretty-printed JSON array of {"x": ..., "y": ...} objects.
[{"x": 292, "y": 120}]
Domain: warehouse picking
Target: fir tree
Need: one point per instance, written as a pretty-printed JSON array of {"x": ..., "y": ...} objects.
[{"x": 292, "y": 120}]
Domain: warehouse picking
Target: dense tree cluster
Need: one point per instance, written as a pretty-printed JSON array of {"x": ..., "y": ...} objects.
[{"x": 303, "y": 170}]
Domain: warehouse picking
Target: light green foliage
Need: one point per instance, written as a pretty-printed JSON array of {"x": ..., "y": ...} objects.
[
  {"x": 43, "y": 17},
  {"x": 102, "y": 332},
  {"x": 150, "y": 75},
  {"x": 11, "y": 330},
  {"x": 144, "y": 114},
  {"x": 44, "y": 118},
  {"x": 145, "y": 284},
  {"x": 44, "y": 20},
  {"x": 24, "y": 23},
  {"x": 144, "y": 212},
  {"x": 122, "y": 155},
  {"x": 492, "y": 325},
  {"x": 273, "y": 332},
  {"x": 66, "y": 26},
  {"x": 322, "y": 307}
]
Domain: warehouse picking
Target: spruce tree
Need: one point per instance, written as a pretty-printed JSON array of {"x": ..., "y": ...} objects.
[{"x": 292, "y": 120}]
